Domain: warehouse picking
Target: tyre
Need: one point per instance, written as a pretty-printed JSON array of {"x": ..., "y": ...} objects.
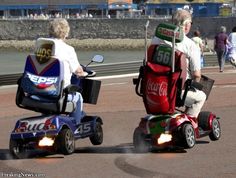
[
  {"x": 189, "y": 139},
  {"x": 66, "y": 142},
  {"x": 140, "y": 144},
  {"x": 216, "y": 131},
  {"x": 17, "y": 149},
  {"x": 203, "y": 118},
  {"x": 97, "y": 137}
]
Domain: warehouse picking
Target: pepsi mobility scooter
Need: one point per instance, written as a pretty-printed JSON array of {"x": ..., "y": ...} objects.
[
  {"x": 161, "y": 82},
  {"x": 40, "y": 89}
]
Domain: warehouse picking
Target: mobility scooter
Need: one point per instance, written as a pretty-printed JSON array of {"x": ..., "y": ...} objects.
[
  {"x": 161, "y": 82},
  {"x": 40, "y": 89}
]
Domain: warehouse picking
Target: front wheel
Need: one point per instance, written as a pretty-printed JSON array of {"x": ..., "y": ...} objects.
[
  {"x": 66, "y": 141},
  {"x": 189, "y": 139},
  {"x": 17, "y": 149},
  {"x": 97, "y": 137},
  {"x": 140, "y": 144},
  {"x": 216, "y": 131}
]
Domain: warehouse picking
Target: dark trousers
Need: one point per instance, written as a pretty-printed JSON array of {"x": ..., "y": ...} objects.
[{"x": 221, "y": 60}]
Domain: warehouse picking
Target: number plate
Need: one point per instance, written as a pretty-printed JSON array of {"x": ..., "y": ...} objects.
[
  {"x": 163, "y": 55},
  {"x": 84, "y": 128}
]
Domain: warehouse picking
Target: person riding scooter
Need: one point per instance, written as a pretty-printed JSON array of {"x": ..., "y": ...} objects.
[
  {"x": 58, "y": 31},
  {"x": 195, "y": 98}
]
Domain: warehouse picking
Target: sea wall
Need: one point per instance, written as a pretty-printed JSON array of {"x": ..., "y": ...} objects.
[{"x": 105, "y": 28}]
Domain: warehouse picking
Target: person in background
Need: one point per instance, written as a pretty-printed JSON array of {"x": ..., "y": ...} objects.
[
  {"x": 58, "y": 31},
  {"x": 220, "y": 47},
  {"x": 195, "y": 98},
  {"x": 206, "y": 46},
  {"x": 231, "y": 47},
  {"x": 199, "y": 42}
]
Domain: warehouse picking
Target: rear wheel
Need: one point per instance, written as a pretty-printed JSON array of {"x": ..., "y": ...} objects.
[
  {"x": 203, "y": 118},
  {"x": 216, "y": 131},
  {"x": 140, "y": 144},
  {"x": 66, "y": 141},
  {"x": 17, "y": 149},
  {"x": 189, "y": 139},
  {"x": 97, "y": 137}
]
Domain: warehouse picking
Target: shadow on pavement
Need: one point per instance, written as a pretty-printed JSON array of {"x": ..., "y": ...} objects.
[
  {"x": 5, "y": 154},
  {"x": 202, "y": 142},
  {"x": 126, "y": 148}
]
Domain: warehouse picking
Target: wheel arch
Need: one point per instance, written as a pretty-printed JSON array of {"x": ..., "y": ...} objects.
[
  {"x": 99, "y": 119},
  {"x": 205, "y": 119}
]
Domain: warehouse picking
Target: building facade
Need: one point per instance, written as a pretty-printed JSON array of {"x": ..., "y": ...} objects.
[
  {"x": 9, "y": 8},
  {"x": 199, "y": 8},
  {"x": 108, "y": 8}
]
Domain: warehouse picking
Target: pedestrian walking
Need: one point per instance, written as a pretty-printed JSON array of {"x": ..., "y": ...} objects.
[
  {"x": 220, "y": 47},
  {"x": 199, "y": 42},
  {"x": 231, "y": 47}
]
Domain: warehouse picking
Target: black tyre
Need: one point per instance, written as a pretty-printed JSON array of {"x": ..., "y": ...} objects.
[
  {"x": 97, "y": 137},
  {"x": 216, "y": 131},
  {"x": 66, "y": 142},
  {"x": 189, "y": 138},
  {"x": 203, "y": 118},
  {"x": 17, "y": 149},
  {"x": 140, "y": 144}
]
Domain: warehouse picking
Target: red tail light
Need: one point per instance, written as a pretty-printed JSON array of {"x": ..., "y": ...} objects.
[{"x": 49, "y": 125}]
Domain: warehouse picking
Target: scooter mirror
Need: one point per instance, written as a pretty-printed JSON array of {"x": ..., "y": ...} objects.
[{"x": 98, "y": 58}]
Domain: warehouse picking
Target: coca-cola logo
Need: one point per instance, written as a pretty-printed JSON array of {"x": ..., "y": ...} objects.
[{"x": 157, "y": 88}]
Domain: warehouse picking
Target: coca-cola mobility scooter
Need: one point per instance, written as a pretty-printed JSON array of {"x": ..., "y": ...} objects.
[
  {"x": 41, "y": 89},
  {"x": 161, "y": 80}
]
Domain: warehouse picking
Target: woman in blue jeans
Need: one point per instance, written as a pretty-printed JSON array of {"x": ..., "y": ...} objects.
[{"x": 59, "y": 31}]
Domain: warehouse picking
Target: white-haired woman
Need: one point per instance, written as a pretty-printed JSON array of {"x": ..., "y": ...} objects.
[{"x": 58, "y": 31}]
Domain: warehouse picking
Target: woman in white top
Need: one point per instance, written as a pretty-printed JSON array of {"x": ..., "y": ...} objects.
[
  {"x": 59, "y": 30},
  {"x": 199, "y": 42}
]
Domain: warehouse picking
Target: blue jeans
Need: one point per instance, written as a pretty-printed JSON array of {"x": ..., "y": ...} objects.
[{"x": 78, "y": 113}]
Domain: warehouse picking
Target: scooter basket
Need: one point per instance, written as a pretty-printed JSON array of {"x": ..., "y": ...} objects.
[
  {"x": 207, "y": 84},
  {"x": 90, "y": 90}
]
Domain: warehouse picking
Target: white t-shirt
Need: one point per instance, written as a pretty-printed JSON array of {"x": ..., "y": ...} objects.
[
  {"x": 65, "y": 53},
  {"x": 232, "y": 45},
  {"x": 190, "y": 49},
  {"x": 198, "y": 41}
]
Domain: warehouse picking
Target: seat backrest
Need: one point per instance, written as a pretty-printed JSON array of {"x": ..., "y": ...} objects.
[
  {"x": 43, "y": 74},
  {"x": 41, "y": 88},
  {"x": 159, "y": 60},
  {"x": 160, "y": 83}
]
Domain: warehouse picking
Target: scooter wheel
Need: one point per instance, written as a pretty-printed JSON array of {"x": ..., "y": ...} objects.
[
  {"x": 203, "y": 119},
  {"x": 140, "y": 145},
  {"x": 216, "y": 131},
  {"x": 66, "y": 141},
  {"x": 189, "y": 139},
  {"x": 97, "y": 137},
  {"x": 17, "y": 149}
]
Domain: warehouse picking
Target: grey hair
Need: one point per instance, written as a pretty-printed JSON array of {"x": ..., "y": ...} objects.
[
  {"x": 59, "y": 28},
  {"x": 181, "y": 16},
  {"x": 223, "y": 29}
]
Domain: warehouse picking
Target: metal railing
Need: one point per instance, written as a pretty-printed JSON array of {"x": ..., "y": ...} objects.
[{"x": 105, "y": 69}]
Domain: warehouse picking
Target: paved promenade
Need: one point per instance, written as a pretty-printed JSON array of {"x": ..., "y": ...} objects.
[{"x": 121, "y": 110}]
